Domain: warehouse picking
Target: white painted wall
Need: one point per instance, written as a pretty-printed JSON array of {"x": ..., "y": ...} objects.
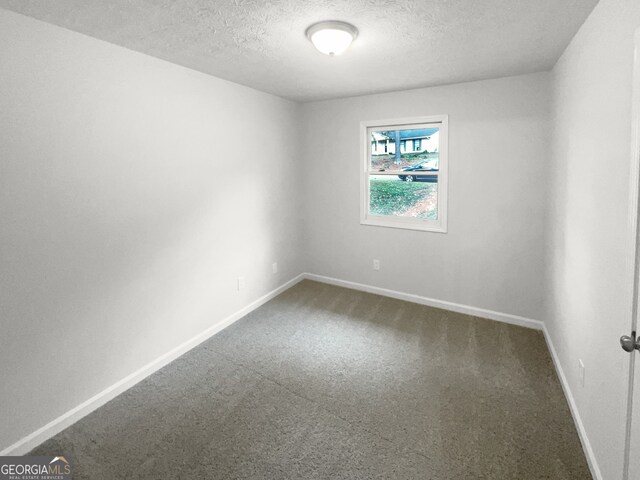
[
  {"x": 130, "y": 201},
  {"x": 588, "y": 276},
  {"x": 492, "y": 255}
]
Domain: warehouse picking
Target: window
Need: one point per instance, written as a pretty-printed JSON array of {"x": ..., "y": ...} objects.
[{"x": 405, "y": 189}]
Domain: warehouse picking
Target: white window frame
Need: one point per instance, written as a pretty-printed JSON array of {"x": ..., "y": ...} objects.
[{"x": 366, "y": 218}]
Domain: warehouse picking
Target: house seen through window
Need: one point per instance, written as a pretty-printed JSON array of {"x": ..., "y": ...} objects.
[{"x": 405, "y": 173}]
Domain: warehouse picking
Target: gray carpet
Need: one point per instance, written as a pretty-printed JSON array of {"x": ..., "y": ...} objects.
[{"x": 325, "y": 382}]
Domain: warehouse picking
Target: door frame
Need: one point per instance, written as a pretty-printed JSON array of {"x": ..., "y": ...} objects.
[{"x": 634, "y": 250}]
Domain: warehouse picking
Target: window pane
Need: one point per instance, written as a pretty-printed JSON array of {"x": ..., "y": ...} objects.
[
  {"x": 416, "y": 145},
  {"x": 413, "y": 192},
  {"x": 405, "y": 173},
  {"x": 389, "y": 195}
]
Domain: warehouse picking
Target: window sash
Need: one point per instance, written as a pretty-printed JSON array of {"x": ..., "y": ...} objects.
[{"x": 367, "y": 218}]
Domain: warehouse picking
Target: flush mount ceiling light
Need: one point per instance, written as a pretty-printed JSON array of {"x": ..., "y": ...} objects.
[{"x": 332, "y": 38}]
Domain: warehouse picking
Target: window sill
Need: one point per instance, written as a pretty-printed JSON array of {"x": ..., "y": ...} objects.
[{"x": 435, "y": 226}]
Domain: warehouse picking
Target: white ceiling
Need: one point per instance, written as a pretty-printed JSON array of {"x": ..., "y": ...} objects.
[{"x": 261, "y": 43}]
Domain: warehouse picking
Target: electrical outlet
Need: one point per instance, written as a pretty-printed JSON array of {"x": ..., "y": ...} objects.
[
  {"x": 376, "y": 264},
  {"x": 241, "y": 283},
  {"x": 581, "y": 372},
  {"x": 274, "y": 267}
]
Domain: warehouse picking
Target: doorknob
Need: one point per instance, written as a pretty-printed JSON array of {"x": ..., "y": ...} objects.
[{"x": 629, "y": 344}]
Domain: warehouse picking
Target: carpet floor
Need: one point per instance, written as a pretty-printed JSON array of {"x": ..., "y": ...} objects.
[{"x": 329, "y": 383}]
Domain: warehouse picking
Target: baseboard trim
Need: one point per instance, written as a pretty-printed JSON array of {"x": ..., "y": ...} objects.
[
  {"x": 573, "y": 406},
  {"x": 34, "y": 439},
  {"x": 431, "y": 302},
  {"x": 492, "y": 315}
]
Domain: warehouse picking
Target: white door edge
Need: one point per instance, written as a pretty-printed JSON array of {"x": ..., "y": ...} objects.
[{"x": 634, "y": 251}]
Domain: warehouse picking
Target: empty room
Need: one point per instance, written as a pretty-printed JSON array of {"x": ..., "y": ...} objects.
[{"x": 351, "y": 239}]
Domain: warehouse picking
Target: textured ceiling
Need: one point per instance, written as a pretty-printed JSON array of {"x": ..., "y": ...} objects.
[{"x": 261, "y": 43}]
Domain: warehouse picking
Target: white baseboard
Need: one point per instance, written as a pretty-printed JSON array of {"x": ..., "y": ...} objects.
[
  {"x": 52, "y": 428},
  {"x": 582, "y": 433},
  {"x": 431, "y": 302},
  {"x": 492, "y": 315},
  {"x": 34, "y": 439}
]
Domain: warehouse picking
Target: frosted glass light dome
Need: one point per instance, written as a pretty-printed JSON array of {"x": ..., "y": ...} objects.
[{"x": 332, "y": 38}]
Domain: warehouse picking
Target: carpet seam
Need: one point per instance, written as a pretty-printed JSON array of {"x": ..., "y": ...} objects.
[{"x": 318, "y": 405}]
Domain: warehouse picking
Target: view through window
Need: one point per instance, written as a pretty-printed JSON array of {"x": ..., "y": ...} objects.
[{"x": 405, "y": 175}]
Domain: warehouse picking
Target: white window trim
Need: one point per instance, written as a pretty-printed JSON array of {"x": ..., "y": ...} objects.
[{"x": 439, "y": 225}]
